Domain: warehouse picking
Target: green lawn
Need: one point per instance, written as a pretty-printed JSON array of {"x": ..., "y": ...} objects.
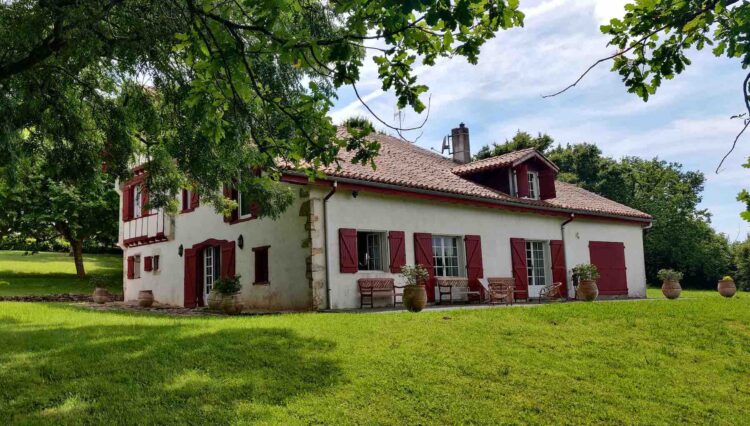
[
  {"x": 643, "y": 362},
  {"x": 55, "y": 273}
]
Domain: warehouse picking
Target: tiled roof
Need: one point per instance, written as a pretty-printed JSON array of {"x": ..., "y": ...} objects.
[
  {"x": 404, "y": 164},
  {"x": 504, "y": 160}
]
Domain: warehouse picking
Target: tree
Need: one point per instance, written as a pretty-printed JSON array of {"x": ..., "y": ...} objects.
[
  {"x": 209, "y": 91},
  {"x": 742, "y": 262},
  {"x": 653, "y": 40},
  {"x": 521, "y": 140}
]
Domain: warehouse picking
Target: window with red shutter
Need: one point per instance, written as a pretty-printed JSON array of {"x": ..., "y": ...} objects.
[
  {"x": 474, "y": 266},
  {"x": 547, "y": 184},
  {"x": 127, "y": 203},
  {"x": 423, "y": 256},
  {"x": 520, "y": 273},
  {"x": 227, "y": 260},
  {"x": 559, "y": 274},
  {"x": 397, "y": 250},
  {"x": 261, "y": 265},
  {"x": 522, "y": 181},
  {"x": 148, "y": 264},
  {"x": 131, "y": 267},
  {"x": 348, "y": 251}
]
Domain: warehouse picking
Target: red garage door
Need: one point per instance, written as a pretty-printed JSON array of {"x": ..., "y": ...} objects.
[{"x": 609, "y": 258}]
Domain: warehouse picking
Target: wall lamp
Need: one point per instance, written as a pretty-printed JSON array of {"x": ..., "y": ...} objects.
[
  {"x": 241, "y": 242},
  {"x": 179, "y": 250},
  {"x": 355, "y": 193}
]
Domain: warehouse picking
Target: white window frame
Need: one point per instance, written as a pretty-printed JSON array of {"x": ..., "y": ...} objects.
[
  {"x": 137, "y": 266},
  {"x": 239, "y": 207},
  {"x": 460, "y": 258},
  {"x": 208, "y": 269},
  {"x": 137, "y": 201},
  {"x": 383, "y": 252},
  {"x": 533, "y": 185},
  {"x": 533, "y": 269}
]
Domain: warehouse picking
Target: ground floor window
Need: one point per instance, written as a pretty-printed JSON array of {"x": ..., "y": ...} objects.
[
  {"x": 537, "y": 263},
  {"x": 371, "y": 250},
  {"x": 261, "y": 265},
  {"x": 446, "y": 256},
  {"x": 137, "y": 266},
  {"x": 211, "y": 268}
]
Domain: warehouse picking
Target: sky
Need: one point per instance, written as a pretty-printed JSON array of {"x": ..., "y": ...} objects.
[{"x": 687, "y": 121}]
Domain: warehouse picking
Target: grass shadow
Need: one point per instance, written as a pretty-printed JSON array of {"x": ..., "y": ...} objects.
[{"x": 164, "y": 373}]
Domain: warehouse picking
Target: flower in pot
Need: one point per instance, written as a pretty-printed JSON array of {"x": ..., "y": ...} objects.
[
  {"x": 101, "y": 294},
  {"x": 415, "y": 296},
  {"x": 227, "y": 290},
  {"x": 587, "y": 274},
  {"x": 726, "y": 287},
  {"x": 670, "y": 280}
]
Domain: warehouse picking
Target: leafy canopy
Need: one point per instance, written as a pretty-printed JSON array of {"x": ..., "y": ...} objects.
[{"x": 208, "y": 91}]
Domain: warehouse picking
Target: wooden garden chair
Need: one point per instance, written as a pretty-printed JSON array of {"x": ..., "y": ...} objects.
[
  {"x": 501, "y": 290},
  {"x": 550, "y": 292}
]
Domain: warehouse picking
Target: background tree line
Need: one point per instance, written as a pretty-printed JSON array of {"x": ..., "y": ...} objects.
[{"x": 681, "y": 238}]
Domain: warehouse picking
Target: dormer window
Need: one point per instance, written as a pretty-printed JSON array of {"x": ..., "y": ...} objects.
[{"x": 533, "y": 185}]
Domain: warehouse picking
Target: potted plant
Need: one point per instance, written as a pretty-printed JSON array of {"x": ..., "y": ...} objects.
[
  {"x": 145, "y": 298},
  {"x": 228, "y": 288},
  {"x": 587, "y": 274},
  {"x": 670, "y": 280},
  {"x": 415, "y": 296},
  {"x": 101, "y": 294},
  {"x": 726, "y": 287}
]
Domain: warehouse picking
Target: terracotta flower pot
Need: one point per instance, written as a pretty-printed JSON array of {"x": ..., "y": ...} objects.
[
  {"x": 587, "y": 290},
  {"x": 671, "y": 289},
  {"x": 214, "y": 301},
  {"x": 727, "y": 288},
  {"x": 415, "y": 297},
  {"x": 145, "y": 298},
  {"x": 101, "y": 295},
  {"x": 231, "y": 305}
]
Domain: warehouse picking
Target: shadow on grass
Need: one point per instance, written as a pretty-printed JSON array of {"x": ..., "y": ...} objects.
[{"x": 156, "y": 373}]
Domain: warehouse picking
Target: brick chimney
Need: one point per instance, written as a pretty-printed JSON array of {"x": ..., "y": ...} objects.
[{"x": 461, "y": 147}]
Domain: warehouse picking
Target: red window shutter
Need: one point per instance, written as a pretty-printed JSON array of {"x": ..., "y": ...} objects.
[
  {"x": 609, "y": 258},
  {"x": 474, "y": 267},
  {"x": 148, "y": 264},
  {"x": 397, "y": 250},
  {"x": 423, "y": 256},
  {"x": 195, "y": 200},
  {"x": 261, "y": 265},
  {"x": 127, "y": 201},
  {"x": 131, "y": 267},
  {"x": 191, "y": 279},
  {"x": 185, "y": 201},
  {"x": 559, "y": 274},
  {"x": 144, "y": 200},
  {"x": 547, "y": 184},
  {"x": 227, "y": 259},
  {"x": 348, "y": 251},
  {"x": 522, "y": 180},
  {"x": 518, "y": 258}
]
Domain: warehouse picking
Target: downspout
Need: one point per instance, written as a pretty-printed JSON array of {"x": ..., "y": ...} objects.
[
  {"x": 334, "y": 186},
  {"x": 565, "y": 252}
]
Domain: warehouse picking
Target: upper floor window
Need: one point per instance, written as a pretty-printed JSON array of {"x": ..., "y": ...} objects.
[
  {"x": 534, "y": 185},
  {"x": 446, "y": 256},
  {"x": 137, "y": 201},
  {"x": 245, "y": 203}
]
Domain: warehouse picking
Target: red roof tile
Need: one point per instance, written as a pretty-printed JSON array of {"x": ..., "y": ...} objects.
[{"x": 404, "y": 164}]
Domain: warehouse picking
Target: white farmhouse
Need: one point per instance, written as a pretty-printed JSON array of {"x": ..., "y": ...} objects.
[{"x": 501, "y": 217}]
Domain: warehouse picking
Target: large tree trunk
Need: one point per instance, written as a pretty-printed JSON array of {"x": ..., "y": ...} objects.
[{"x": 77, "y": 249}]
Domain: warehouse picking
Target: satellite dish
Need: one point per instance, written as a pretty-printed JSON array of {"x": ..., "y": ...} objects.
[{"x": 446, "y": 145}]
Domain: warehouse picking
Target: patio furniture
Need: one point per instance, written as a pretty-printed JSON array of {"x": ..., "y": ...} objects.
[
  {"x": 550, "y": 292},
  {"x": 447, "y": 286},
  {"x": 370, "y": 287},
  {"x": 502, "y": 290}
]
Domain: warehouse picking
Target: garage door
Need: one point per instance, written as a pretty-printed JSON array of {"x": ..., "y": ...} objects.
[{"x": 609, "y": 258}]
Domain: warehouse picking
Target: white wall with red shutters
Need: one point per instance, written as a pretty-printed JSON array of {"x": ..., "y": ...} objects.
[
  {"x": 495, "y": 227},
  {"x": 288, "y": 288}
]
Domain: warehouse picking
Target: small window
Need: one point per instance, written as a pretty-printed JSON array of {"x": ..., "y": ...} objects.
[
  {"x": 446, "y": 256},
  {"x": 534, "y": 185},
  {"x": 245, "y": 203},
  {"x": 536, "y": 262},
  {"x": 370, "y": 250},
  {"x": 186, "y": 195},
  {"x": 136, "y": 266},
  {"x": 261, "y": 265},
  {"x": 137, "y": 201},
  {"x": 155, "y": 263}
]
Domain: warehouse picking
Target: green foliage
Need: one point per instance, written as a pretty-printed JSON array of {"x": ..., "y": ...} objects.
[
  {"x": 415, "y": 274},
  {"x": 521, "y": 140},
  {"x": 586, "y": 271},
  {"x": 234, "y": 87},
  {"x": 727, "y": 278},
  {"x": 228, "y": 286},
  {"x": 742, "y": 262},
  {"x": 669, "y": 275}
]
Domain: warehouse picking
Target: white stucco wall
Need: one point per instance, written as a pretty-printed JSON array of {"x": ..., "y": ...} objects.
[
  {"x": 496, "y": 228},
  {"x": 288, "y": 288}
]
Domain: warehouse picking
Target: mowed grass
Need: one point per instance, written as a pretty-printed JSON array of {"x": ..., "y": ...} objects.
[
  {"x": 55, "y": 273},
  {"x": 643, "y": 362}
]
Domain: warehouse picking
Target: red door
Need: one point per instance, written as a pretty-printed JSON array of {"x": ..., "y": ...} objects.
[{"x": 609, "y": 258}]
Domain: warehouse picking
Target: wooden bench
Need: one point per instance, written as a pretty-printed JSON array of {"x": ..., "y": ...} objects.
[
  {"x": 502, "y": 290},
  {"x": 370, "y": 287},
  {"x": 447, "y": 286}
]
